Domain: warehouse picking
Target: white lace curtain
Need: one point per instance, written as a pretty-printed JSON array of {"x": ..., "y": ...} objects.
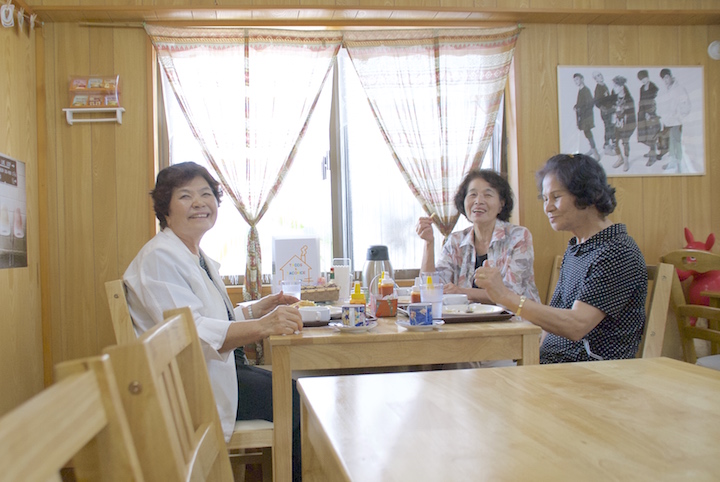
[
  {"x": 266, "y": 82},
  {"x": 435, "y": 96},
  {"x": 434, "y": 93}
]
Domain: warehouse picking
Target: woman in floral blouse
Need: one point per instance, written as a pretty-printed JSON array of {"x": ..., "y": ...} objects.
[{"x": 486, "y": 200}]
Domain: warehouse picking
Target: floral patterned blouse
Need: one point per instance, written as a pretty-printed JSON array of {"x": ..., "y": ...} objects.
[{"x": 510, "y": 250}]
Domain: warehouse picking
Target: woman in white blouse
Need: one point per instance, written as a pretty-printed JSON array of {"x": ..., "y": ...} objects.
[{"x": 171, "y": 271}]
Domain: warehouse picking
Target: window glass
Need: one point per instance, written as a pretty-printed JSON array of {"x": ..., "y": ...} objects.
[{"x": 301, "y": 207}]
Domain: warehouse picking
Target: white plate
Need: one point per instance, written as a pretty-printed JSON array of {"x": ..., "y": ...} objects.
[
  {"x": 353, "y": 329},
  {"x": 406, "y": 324},
  {"x": 477, "y": 308},
  {"x": 335, "y": 312}
]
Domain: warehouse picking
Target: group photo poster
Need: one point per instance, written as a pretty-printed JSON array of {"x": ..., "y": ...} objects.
[{"x": 636, "y": 121}]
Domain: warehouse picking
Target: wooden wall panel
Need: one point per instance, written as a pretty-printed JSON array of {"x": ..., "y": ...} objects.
[
  {"x": 104, "y": 193},
  {"x": 21, "y": 362},
  {"x": 655, "y": 209},
  {"x": 712, "y": 139},
  {"x": 537, "y": 60},
  {"x": 98, "y": 176},
  {"x": 97, "y": 173}
]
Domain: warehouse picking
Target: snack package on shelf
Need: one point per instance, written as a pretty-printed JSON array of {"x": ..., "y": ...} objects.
[{"x": 94, "y": 91}]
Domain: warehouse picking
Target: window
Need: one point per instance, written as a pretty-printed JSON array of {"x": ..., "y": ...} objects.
[{"x": 373, "y": 200}]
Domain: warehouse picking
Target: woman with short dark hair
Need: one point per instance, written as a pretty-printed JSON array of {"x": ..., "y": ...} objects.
[
  {"x": 597, "y": 311},
  {"x": 486, "y": 200},
  {"x": 171, "y": 271}
]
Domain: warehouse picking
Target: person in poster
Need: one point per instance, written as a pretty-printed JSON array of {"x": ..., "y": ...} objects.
[
  {"x": 673, "y": 106},
  {"x": 625, "y": 121},
  {"x": 648, "y": 123},
  {"x": 605, "y": 101},
  {"x": 584, "y": 114}
]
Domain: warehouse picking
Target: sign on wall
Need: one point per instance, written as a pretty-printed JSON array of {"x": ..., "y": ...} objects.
[
  {"x": 636, "y": 121},
  {"x": 13, "y": 210}
]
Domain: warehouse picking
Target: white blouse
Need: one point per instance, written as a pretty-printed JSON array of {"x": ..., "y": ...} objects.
[{"x": 165, "y": 275}]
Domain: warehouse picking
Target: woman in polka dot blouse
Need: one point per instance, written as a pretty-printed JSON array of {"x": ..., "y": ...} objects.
[{"x": 597, "y": 311}]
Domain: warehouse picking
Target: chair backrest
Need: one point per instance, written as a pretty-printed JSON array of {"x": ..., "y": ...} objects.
[
  {"x": 81, "y": 418},
  {"x": 170, "y": 404},
  {"x": 658, "y": 300},
  {"x": 119, "y": 312},
  {"x": 701, "y": 262}
]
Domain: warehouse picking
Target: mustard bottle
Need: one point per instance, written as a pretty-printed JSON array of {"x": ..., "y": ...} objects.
[{"x": 357, "y": 297}]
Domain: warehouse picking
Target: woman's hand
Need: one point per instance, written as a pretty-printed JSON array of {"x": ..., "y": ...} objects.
[
  {"x": 424, "y": 229},
  {"x": 265, "y": 305},
  {"x": 490, "y": 279},
  {"x": 283, "y": 320},
  {"x": 452, "y": 288}
]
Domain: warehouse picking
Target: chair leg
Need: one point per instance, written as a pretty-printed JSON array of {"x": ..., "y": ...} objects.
[
  {"x": 238, "y": 469},
  {"x": 267, "y": 465}
]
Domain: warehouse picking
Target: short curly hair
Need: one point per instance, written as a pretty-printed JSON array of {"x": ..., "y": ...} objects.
[
  {"x": 176, "y": 176},
  {"x": 584, "y": 178},
  {"x": 496, "y": 181}
]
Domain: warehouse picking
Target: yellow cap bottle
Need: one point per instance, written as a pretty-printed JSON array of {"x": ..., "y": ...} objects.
[{"x": 357, "y": 297}]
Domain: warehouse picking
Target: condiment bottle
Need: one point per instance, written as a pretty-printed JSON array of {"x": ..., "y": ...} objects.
[
  {"x": 332, "y": 276},
  {"x": 386, "y": 286},
  {"x": 357, "y": 297},
  {"x": 415, "y": 292}
]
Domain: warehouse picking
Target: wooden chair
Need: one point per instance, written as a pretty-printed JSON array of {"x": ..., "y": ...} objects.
[
  {"x": 79, "y": 417},
  {"x": 119, "y": 312},
  {"x": 251, "y": 441},
  {"x": 169, "y": 403},
  {"x": 656, "y": 307},
  {"x": 702, "y": 262}
]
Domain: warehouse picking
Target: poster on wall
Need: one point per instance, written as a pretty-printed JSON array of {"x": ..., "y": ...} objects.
[
  {"x": 13, "y": 209},
  {"x": 636, "y": 121}
]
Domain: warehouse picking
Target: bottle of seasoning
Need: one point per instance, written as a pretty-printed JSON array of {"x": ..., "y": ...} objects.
[
  {"x": 415, "y": 292},
  {"x": 357, "y": 297},
  {"x": 386, "y": 285}
]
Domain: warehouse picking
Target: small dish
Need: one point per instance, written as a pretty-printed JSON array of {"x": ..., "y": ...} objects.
[
  {"x": 314, "y": 313},
  {"x": 406, "y": 324},
  {"x": 353, "y": 329}
]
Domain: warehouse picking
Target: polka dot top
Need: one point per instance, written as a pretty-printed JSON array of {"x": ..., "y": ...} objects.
[{"x": 608, "y": 272}]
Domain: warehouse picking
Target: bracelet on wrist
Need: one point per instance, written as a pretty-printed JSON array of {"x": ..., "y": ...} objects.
[
  {"x": 520, "y": 306},
  {"x": 249, "y": 307}
]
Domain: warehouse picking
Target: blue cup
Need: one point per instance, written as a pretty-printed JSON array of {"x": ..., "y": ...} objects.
[{"x": 420, "y": 313}]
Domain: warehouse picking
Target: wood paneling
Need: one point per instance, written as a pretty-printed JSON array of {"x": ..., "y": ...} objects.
[
  {"x": 655, "y": 209},
  {"x": 21, "y": 362},
  {"x": 97, "y": 183},
  {"x": 386, "y": 12},
  {"x": 98, "y": 175}
]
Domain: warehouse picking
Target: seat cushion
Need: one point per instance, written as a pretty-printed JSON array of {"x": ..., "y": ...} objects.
[{"x": 712, "y": 361}]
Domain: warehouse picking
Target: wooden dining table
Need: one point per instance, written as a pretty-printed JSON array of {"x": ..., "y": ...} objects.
[
  {"x": 386, "y": 345},
  {"x": 640, "y": 419}
]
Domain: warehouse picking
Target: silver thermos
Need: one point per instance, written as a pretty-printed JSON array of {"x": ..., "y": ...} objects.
[{"x": 377, "y": 262}]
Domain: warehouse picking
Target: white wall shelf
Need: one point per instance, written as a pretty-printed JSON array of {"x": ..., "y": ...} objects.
[{"x": 71, "y": 119}]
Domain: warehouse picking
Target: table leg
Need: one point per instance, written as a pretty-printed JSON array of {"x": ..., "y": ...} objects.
[
  {"x": 530, "y": 350},
  {"x": 282, "y": 414}
]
